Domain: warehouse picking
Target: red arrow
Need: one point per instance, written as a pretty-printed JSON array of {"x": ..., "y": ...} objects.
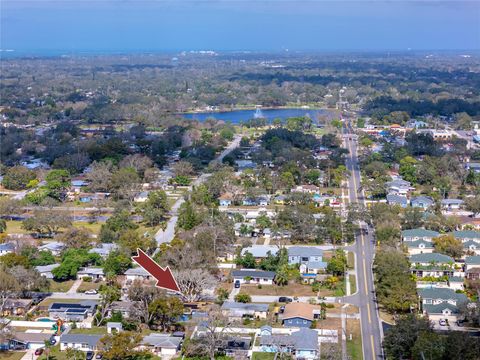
[{"x": 164, "y": 277}]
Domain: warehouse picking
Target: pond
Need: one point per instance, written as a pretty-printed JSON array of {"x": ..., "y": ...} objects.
[{"x": 237, "y": 116}]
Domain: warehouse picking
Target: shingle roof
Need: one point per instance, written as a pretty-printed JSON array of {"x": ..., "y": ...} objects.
[
  {"x": 227, "y": 305},
  {"x": 138, "y": 271},
  {"x": 304, "y": 339},
  {"x": 444, "y": 294},
  {"x": 397, "y": 199},
  {"x": 467, "y": 234},
  {"x": 24, "y": 337},
  {"x": 7, "y": 247},
  {"x": 91, "y": 340},
  {"x": 432, "y": 257},
  {"x": 437, "y": 309},
  {"x": 301, "y": 310},
  {"x": 305, "y": 251},
  {"x": 419, "y": 233},
  {"x": 452, "y": 201},
  {"x": 162, "y": 340},
  {"x": 253, "y": 274},
  {"x": 316, "y": 265},
  {"x": 472, "y": 260},
  {"x": 46, "y": 268},
  {"x": 416, "y": 244},
  {"x": 260, "y": 250},
  {"x": 422, "y": 200}
]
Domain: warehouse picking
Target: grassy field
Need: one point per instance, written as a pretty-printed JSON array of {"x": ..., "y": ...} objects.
[
  {"x": 353, "y": 284},
  {"x": 15, "y": 227},
  {"x": 354, "y": 346},
  {"x": 350, "y": 260},
  {"x": 274, "y": 290},
  {"x": 84, "y": 286},
  {"x": 60, "y": 286},
  {"x": 12, "y": 355},
  {"x": 263, "y": 356}
]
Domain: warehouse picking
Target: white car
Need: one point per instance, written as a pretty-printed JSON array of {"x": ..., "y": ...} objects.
[
  {"x": 91, "y": 292},
  {"x": 442, "y": 322}
]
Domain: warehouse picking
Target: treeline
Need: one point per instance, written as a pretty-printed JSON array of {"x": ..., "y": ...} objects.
[{"x": 383, "y": 105}]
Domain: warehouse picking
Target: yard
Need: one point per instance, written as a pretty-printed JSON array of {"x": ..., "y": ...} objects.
[
  {"x": 15, "y": 227},
  {"x": 353, "y": 284},
  {"x": 60, "y": 286},
  {"x": 11, "y": 355},
  {"x": 93, "y": 331},
  {"x": 263, "y": 356},
  {"x": 354, "y": 346},
  {"x": 90, "y": 285},
  {"x": 46, "y": 302},
  {"x": 275, "y": 290}
]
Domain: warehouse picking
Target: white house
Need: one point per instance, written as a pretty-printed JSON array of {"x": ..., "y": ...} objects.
[
  {"x": 165, "y": 346},
  {"x": 6, "y": 248},
  {"x": 95, "y": 273},
  {"x": 46, "y": 270},
  {"x": 137, "y": 273},
  {"x": 82, "y": 342},
  {"x": 54, "y": 247},
  {"x": 248, "y": 276}
]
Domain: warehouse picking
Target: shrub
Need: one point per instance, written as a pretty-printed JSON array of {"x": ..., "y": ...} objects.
[{"x": 87, "y": 279}]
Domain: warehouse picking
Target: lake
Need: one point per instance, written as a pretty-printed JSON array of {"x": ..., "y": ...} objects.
[{"x": 237, "y": 116}]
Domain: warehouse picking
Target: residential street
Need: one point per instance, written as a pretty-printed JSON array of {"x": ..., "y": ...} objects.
[{"x": 365, "y": 251}]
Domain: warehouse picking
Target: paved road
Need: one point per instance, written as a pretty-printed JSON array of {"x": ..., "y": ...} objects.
[
  {"x": 305, "y": 299},
  {"x": 167, "y": 235},
  {"x": 365, "y": 249}
]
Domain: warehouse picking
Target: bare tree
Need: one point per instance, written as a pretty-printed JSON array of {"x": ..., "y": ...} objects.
[
  {"x": 8, "y": 288},
  {"x": 213, "y": 331},
  {"x": 142, "y": 296},
  {"x": 193, "y": 282},
  {"x": 183, "y": 168}
]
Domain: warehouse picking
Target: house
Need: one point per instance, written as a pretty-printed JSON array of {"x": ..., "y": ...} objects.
[
  {"x": 249, "y": 202},
  {"x": 471, "y": 247},
  {"x": 456, "y": 283},
  {"x": 423, "y": 202},
  {"x": 419, "y": 247},
  {"x": 16, "y": 307},
  {"x": 104, "y": 249},
  {"x": 82, "y": 342},
  {"x": 419, "y": 234},
  {"x": 306, "y": 189},
  {"x": 114, "y": 327},
  {"x": 141, "y": 197},
  {"x": 6, "y": 248},
  {"x": 123, "y": 307},
  {"x": 472, "y": 262},
  {"x": 310, "y": 258},
  {"x": 260, "y": 251},
  {"x": 399, "y": 187},
  {"x": 263, "y": 200},
  {"x": 54, "y": 247},
  {"x": 441, "y": 303},
  {"x": 299, "y": 314},
  {"x": 393, "y": 199},
  {"x": 46, "y": 270},
  {"x": 137, "y": 273},
  {"x": 451, "y": 204},
  {"x": 279, "y": 199},
  {"x": 467, "y": 235},
  {"x": 302, "y": 344},
  {"x": 473, "y": 273},
  {"x": 474, "y": 166},
  {"x": 433, "y": 264},
  {"x": 236, "y": 347},
  {"x": 245, "y": 164},
  {"x": 78, "y": 311},
  {"x": 95, "y": 273},
  {"x": 28, "y": 340},
  {"x": 165, "y": 346},
  {"x": 225, "y": 199},
  {"x": 246, "y": 276},
  {"x": 238, "y": 311},
  {"x": 324, "y": 200}
]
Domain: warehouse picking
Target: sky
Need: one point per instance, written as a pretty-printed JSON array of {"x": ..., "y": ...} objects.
[{"x": 40, "y": 26}]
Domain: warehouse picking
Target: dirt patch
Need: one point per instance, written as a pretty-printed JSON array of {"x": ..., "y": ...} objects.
[{"x": 274, "y": 290}]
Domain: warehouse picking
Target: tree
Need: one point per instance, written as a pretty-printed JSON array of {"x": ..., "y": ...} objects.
[
  {"x": 214, "y": 331},
  {"x": 143, "y": 296},
  {"x": 166, "y": 310},
  {"x": 17, "y": 178},
  {"x": 473, "y": 204},
  {"x": 243, "y": 298},
  {"x": 8, "y": 288},
  {"x": 337, "y": 265},
  {"x": 138, "y": 162},
  {"x": 47, "y": 222},
  {"x": 388, "y": 236},
  {"x": 246, "y": 261},
  {"x": 448, "y": 245},
  {"x": 193, "y": 282},
  {"x": 282, "y": 276},
  {"x": 9, "y": 207},
  {"x": 12, "y": 259},
  {"x": 130, "y": 240},
  {"x": 57, "y": 183},
  {"x": 263, "y": 221},
  {"x": 76, "y": 238},
  {"x": 3, "y": 225},
  {"x": 407, "y": 169},
  {"x": 155, "y": 209},
  {"x": 428, "y": 345},
  {"x": 188, "y": 217},
  {"x": 122, "y": 345},
  {"x": 108, "y": 294},
  {"x": 99, "y": 176},
  {"x": 183, "y": 168},
  {"x": 125, "y": 183},
  {"x": 116, "y": 263},
  {"x": 400, "y": 339}
]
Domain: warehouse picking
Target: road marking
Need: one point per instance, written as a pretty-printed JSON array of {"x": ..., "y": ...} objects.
[
  {"x": 368, "y": 313},
  {"x": 365, "y": 276},
  {"x": 373, "y": 347}
]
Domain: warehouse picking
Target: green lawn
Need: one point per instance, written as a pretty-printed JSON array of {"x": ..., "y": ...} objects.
[
  {"x": 94, "y": 228},
  {"x": 350, "y": 260},
  {"x": 93, "y": 331},
  {"x": 354, "y": 348},
  {"x": 15, "y": 227},
  {"x": 263, "y": 356},
  {"x": 84, "y": 286},
  {"x": 11, "y": 355},
  {"x": 353, "y": 284}
]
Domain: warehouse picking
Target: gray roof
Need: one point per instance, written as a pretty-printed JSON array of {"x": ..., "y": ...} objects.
[
  {"x": 228, "y": 305},
  {"x": 438, "y": 308},
  {"x": 104, "y": 249},
  {"x": 91, "y": 270},
  {"x": 419, "y": 233},
  {"x": 472, "y": 260},
  {"x": 416, "y": 244},
  {"x": 444, "y": 294},
  {"x": 52, "y": 246},
  {"x": 260, "y": 251},
  {"x": 305, "y": 251},
  {"x": 165, "y": 341},
  {"x": 91, "y": 340},
  {"x": 422, "y": 200},
  {"x": 26, "y": 338},
  {"x": 432, "y": 257},
  {"x": 452, "y": 202},
  {"x": 253, "y": 274},
  {"x": 138, "y": 271},
  {"x": 397, "y": 199},
  {"x": 467, "y": 234},
  {"x": 398, "y": 183},
  {"x": 46, "y": 268},
  {"x": 316, "y": 265},
  {"x": 7, "y": 247},
  {"x": 474, "y": 244},
  {"x": 304, "y": 339}
]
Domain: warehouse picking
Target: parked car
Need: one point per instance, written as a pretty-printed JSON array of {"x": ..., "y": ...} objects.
[
  {"x": 91, "y": 292},
  {"x": 99, "y": 356},
  {"x": 89, "y": 355},
  {"x": 39, "y": 352},
  {"x": 237, "y": 284},
  {"x": 284, "y": 299},
  {"x": 460, "y": 322},
  {"x": 53, "y": 341},
  {"x": 442, "y": 322}
]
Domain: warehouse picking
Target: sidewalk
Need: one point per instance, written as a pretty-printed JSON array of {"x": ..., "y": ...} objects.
[{"x": 75, "y": 286}]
